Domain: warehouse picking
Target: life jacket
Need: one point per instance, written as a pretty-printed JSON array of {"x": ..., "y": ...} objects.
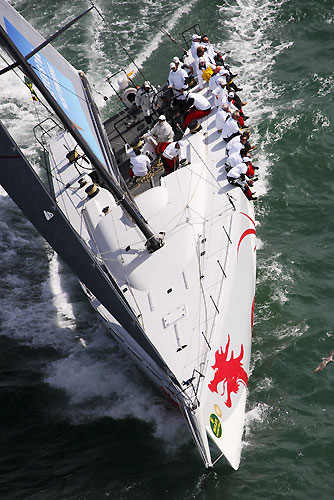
[{"x": 207, "y": 73}]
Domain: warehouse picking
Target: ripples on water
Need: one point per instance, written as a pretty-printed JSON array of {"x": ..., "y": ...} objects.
[{"x": 79, "y": 420}]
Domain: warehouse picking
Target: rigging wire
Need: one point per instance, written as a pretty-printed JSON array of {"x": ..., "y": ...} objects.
[
  {"x": 165, "y": 32},
  {"x": 50, "y": 79},
  {"x": 123, "y": 48},
  {"x": 199, "y": 156}
]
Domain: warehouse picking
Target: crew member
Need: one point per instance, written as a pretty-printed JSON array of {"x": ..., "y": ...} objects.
[
  {"x": 171, "y": 154},
  {"x": 218, "y": 74},
  {"x": 240, "y": 142},
  {"x": 182, "y": 65},
  {"x": 220, "y": 92},
  {"x": 205, "y": 72},
  {"x": 221, "y": 116},
  {"x": 140, "y": 164},
  {"x": 196, "y": 42},
  {"x": 204, "y": 67},
  {"x": 237, "y": 176},
  {"x": 231, "y": 127},
  {"x": 177, "y": 80},
  {"x": 236, "y": 158},
  {"x": 234, "y": 101},
  {"x": 161, "y": 134},
  {"x": 198, "y": 106},
  {"x": 144, "y": 100},
  {"x": 214, "y": 55}
]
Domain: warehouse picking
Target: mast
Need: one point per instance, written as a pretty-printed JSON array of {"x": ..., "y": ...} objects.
[
  {"x": 153, "y": 243},
  {"x": 104, "y": 143}
]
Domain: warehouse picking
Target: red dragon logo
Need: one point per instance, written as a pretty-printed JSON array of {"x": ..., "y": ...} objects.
[{"x": 230, "y": 372}]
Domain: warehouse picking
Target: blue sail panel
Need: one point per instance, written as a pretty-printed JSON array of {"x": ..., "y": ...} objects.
[{"x": 56, "y": 74}]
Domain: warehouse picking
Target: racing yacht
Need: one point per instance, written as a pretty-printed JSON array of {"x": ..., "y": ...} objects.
[{"x": 168, "y": 262}]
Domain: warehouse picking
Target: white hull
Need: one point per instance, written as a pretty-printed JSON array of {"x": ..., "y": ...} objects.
[{"x": 194, "y": 293}]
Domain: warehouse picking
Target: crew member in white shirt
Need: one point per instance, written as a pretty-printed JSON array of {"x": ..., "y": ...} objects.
[
  {"x": 212, "y": 53},
  {"x": 172, "y": 152},
  {"x": 196, "y": 42},
  {"x": 218, "y": 74},
  {"x": 177, "y": 78},
  {"x": 160, "y": 135},
  {"x": 234, "y": 160},
  {"x": 236, "y": 144},
  {"x": 228, "y": 100},
  {"x": 139, "y": 164},
  {"x": 237, "y": 177},
  {"x": 179, "y": 64},
  {"x": 209, "y": 49},
  {"x": 234, "y": 102},
  {"x": 231, "y": 127},
  {"x": 221, "y": 116},
  {"x": 220, "y": 92}
]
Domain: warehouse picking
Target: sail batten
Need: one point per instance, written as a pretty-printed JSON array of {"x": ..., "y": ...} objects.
[{"x": 58, "y": 78}]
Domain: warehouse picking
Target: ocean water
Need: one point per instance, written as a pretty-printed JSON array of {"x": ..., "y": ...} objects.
[{"x": 78, "y": 420}]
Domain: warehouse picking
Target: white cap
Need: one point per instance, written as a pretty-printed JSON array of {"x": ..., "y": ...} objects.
[
  {"x": 222, "y": 80},
  {"x": 194, "y": 37},
  {"x": 246, "y": 159},
  {"x": 172, "y": 65},
  {"x": 147, "y": 84},
  {"x": 176, "y": 60},
  {"x": 162, "y": 117},
  {"x": 201, "y": 59},
  {"x": 223, "y": 71},
  {"x": 231, "y": 94}
]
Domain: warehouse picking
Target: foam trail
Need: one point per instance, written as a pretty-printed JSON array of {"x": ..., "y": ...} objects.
[
  {"x": 61, "y": 301},
  {"x": 254, "y": 418},
  {"x": 154, "y": 44},
  {"x": 100, "y": 381},
  {"x": 144, "y": 55}
]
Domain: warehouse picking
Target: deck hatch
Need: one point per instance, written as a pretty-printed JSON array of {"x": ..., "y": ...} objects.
[{"x": 174, "y": 315}]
